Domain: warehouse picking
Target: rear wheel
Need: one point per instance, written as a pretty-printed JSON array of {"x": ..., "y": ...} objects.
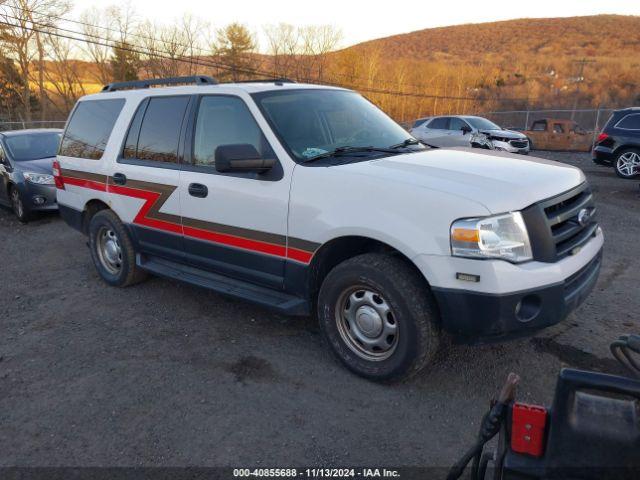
[
  {"x": 628, "y": 163},
  {"x": 378, "y": 317},
  {"x": 112, "y": 250},
  {"x": 17, "y": 206}
]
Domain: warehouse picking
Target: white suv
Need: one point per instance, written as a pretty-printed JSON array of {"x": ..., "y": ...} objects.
[{"x": 305, "y": 199}]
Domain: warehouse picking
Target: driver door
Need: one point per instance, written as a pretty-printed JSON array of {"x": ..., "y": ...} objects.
[
  {"x": 457, "y": 136},
  {"x": 234, "y": 223}
]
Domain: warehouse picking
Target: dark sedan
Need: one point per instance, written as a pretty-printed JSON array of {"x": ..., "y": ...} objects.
[{"x": 26, "y": 160}]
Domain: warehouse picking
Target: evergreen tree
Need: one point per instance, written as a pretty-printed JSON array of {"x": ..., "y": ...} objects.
[
  {"x": 234, "y": 47},
  {"x": 124, "y": 63}
]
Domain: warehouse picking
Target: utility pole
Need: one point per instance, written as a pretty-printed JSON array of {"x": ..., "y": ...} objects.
[{"x": 579, "y": 80}]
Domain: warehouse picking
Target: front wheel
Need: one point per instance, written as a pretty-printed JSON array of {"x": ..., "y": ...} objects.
[
  {"x": 18, "y": 206},
  {"x": 378, "y": 317},
  {"x": 628, "y": 164}
]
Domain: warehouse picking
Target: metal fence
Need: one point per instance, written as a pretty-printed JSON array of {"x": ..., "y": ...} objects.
[
  {"x": 5, "y": 126},
  {"x": 591, "y": 120}
]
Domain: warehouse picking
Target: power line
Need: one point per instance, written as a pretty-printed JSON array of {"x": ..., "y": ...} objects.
[
  {"x": 229, "y": 67},
  {"x": 193, "y": 61}
]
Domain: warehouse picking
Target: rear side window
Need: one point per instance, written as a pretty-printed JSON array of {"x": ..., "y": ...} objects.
[
  {"x": 89, "y": 129},
  {"x": 539, "y": 126},
  {"x": 225, "y": 120},
  {"x": 154, "y": 133},
  {"x": 439, "y": 123},
  {"x": 630, "y": 122},
  {"x": 457, "y": 124},
  {"x": 558, "y": 128}
]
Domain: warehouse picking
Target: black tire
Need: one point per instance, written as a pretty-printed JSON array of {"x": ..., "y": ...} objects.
[
  {"x": 531, "y": 146},
  {"x": 411, "y": 304},
  {"x": 17, "y": 205},
  {"x": 616, "y": 163},
  {"x": 128, "y": 272}
]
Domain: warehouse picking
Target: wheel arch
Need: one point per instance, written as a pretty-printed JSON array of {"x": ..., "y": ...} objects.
[
  {"x": 339, "y": 249},
  {"x": 90, "y": 209}
]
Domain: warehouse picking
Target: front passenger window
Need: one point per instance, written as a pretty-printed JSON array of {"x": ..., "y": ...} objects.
[{"x": 225, "y": 120}]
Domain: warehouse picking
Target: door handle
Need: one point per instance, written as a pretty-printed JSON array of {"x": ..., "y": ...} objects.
[
  {"x": 119, "y": 178},
  {"x": 198, "y": 190}
]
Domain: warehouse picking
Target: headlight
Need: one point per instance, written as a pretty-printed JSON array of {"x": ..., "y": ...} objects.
[
  {"x": 39, "y": 178},
  {"x": 502, "y": 236}
]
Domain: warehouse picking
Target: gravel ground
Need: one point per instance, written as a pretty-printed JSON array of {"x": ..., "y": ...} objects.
[{"x": 165, "y": 374}]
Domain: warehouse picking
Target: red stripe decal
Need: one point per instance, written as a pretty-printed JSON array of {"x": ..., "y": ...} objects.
[{"x": 151, "y": 198}]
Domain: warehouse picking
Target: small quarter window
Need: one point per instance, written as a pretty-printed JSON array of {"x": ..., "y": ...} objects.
[
  {"x": 90, "y": 127},
  {"x": 630, "y": 122}
]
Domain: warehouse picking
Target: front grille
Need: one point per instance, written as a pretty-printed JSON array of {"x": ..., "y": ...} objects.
[
  {"x": 519, "y": 143},
  {"x": 560, "y": 226}
]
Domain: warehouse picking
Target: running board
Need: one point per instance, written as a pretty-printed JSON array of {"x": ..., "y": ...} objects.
[{"x": 263, "y": 296}]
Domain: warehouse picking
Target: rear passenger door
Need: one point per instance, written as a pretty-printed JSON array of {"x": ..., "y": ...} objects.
[
  {"x": 437, "y": 132},
  {"x": 234, "y": 223},
  {"x": 146, "y": 179}
]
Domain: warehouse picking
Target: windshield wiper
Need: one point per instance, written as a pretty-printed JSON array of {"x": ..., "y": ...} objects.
[
  {"x": 346, "y": 150},
  {"x": 408, "y": 142}
]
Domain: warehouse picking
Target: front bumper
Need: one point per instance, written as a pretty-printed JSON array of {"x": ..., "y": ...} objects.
[
  {"x": 38, "y": 198},
  {"x": 508, "y": 147},
  {"x": 475, "y": 317},
  {"x": 509, "y": 300}
]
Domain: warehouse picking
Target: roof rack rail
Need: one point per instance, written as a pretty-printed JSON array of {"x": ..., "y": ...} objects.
[
  {"x": 265, "y": 80},
  {"x": 195, "y": 79}
]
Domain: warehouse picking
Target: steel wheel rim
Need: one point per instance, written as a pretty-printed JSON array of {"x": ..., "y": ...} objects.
[
  {"x": 366, "y": 323},
  {"x": 17, "y": 204},
  {"x": 109, "y": 250},
  {"x": 628, "y": 163}
]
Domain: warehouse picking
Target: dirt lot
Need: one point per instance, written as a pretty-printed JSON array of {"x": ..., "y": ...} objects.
[{"x": 166, "y": 374}]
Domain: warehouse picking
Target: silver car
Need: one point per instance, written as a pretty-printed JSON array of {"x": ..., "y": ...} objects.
[{"x": 468, "y": 131}]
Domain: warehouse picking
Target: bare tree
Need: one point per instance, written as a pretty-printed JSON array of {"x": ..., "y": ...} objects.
[
  {"x": 64, "y": 73},
  {"x": 26, "y": 24},
  {"x": 113, "y": 25},
  {"x": 283, "y": 42}
]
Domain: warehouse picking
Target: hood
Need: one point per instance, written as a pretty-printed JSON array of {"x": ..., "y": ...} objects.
[
  {"x": 41, "y": 165},
  {"x": 504, "y": 134},
  {"x": 499, "y": 181}
]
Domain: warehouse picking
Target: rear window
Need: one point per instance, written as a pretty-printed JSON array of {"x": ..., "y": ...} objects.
[
  {"x": 89, "y": 129},
  {"x": 630, "y": 122},
  {"x": 156, "y": 136},
  {"x": 439, "y": 123},
  {"x": 417, "y": 123}
]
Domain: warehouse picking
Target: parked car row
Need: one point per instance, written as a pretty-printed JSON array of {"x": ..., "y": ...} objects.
[{"x": 618, "y": 144}]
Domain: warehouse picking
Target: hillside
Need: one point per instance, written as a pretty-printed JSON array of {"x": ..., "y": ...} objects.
[{"x": 610, "y": 36}]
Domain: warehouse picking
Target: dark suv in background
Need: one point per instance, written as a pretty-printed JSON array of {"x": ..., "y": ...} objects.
[{"x": 619, "y": 143}]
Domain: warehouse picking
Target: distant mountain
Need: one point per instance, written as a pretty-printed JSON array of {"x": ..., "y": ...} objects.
[{"x": 612, "y": 36}]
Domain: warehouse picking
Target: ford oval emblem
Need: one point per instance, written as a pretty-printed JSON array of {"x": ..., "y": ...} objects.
[{"x": 584, "y": 216}]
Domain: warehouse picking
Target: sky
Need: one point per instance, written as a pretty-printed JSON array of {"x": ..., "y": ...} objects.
[{"x": 366, "y": 20}]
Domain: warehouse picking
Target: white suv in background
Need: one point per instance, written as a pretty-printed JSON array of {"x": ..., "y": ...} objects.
[
  {"x": 466, "y": 131},
  {"x": 309, "y": 199}
]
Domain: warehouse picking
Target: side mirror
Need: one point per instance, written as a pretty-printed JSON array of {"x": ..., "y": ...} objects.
[
  {"x": 465, "y": 129},
  {"x": 241, "y": 158}
]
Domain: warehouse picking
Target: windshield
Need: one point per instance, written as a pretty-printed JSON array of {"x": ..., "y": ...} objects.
[
  {"x": 480, "y": 123},
  {"x": 313, "y": 122},
  {"x": 33, "y": 146}
]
